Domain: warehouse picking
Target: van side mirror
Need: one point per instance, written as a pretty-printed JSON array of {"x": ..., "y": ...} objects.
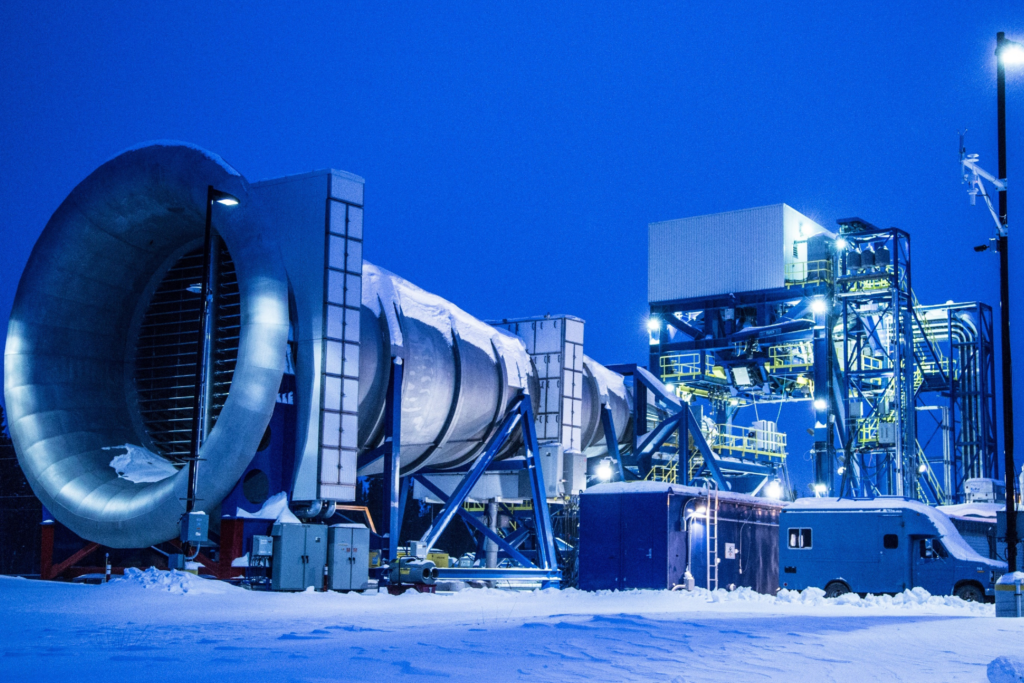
[{"x": 927, "y": 549}]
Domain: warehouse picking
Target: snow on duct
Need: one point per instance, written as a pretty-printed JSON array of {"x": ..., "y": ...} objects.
[
  {"x": 725, "y": 253},
  {"x": 103, "y": 335}
]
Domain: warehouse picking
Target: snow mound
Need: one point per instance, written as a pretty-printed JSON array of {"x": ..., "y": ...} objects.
[
  {"x": 1010, "y": 578},
  {"x": 271, "y": 509},
  {"x": 276, "y": 508},
  {"x": 987, "y": 511},
  {"x": 140, "y": 465},
  {"x": 172, "y": 581},
  {"x": 910, "y": 598},
  {"x": 815, "y": 597},
  {"x": 1006, "y": 670}
]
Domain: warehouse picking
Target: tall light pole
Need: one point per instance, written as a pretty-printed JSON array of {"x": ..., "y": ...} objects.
[
  {"x": 201, "y": 418},
  {"x": 1006, "y": 51}
]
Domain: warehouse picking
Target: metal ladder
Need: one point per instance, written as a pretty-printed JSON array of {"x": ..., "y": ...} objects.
[{"x": 712, "y": 539}]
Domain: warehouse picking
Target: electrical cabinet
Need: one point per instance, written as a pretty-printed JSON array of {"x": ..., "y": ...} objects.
[
  {"x": 300, "y": 555},
  {"x": 348, "y": 557}
]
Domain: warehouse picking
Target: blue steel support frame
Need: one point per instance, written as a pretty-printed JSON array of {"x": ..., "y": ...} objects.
[
  {"x": 521, "y": 415},
  {"x": 608, "y": 425}
]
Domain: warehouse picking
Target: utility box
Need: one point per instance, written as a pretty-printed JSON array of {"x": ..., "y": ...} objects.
[
  {"x": 262, "y": 546},
  {"x": 574, "y": 472},
  {"x": 300, "y": 555},
  {"x": 195, "y": 528},
  {"x": 1009, "y": 601},
  {"x": 348, "y": 557},
  {"x": 551, "y": 463},
  {"x": 985, "y": 490}
]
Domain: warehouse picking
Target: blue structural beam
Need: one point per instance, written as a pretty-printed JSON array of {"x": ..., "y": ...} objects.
[
  {"x": 392, "y": 521},
  {"x": 454, "y": 504},
  {"x": 520, "y": 415},
  {"x": 710, "y": 459},
  {"x": 608, "y": 425},
  {"x": 656, "y": 438},
  {"x": 478, "y": 525},
  {"x": 544, "y": 531}
]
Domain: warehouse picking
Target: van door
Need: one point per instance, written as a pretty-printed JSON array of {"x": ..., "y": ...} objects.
[{"x": 932, "y": 566}]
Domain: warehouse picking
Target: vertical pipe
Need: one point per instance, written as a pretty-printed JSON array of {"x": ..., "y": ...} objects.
[
  {"x": 490, "y": 547},
  {"x": 1004, "y": 316},
  {"x": 392, "y": 457},
  {"x": 204, "y": 352}
]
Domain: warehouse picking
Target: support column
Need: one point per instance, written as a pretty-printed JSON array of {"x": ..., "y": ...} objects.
[{"x": 391, "y": 514}]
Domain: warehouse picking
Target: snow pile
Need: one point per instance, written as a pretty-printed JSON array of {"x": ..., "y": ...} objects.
[
  {"x": 986, "y": 511},
  {"x": 276, "y": 508},
  {"x": 383, "y": 288},
  {"x": 140, "y": 465},
  {"x": 1010, "y": 578},
  {"x": 172, "y": 581},
  {"x": 815, "y": 597},
  {"x": 272, "y": 508},
  {"x": 242, "y": 561},
  {"x": 1006, "y": 670}
]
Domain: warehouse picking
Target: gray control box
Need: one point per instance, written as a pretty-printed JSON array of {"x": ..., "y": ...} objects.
[
  {"x": 262, "y": 546},
  {"x": 195, "y": 528},
  {"x": 348, "y": 557},
  {"x": 300, "y": 555}
]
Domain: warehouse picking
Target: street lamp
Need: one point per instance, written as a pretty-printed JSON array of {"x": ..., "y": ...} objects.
[
  {"x": 1007, "y": 52},
  {"x": 201, "y": 418}
]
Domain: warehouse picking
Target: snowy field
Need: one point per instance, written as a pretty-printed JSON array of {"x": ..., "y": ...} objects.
[{"x": 162, "y": 627}]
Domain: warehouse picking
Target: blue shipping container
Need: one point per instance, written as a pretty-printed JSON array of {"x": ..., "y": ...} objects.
[{"x": 634, "y": 535}]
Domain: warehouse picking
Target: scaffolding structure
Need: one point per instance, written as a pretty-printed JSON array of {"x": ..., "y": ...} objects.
[{"x": 902, "y": 394}]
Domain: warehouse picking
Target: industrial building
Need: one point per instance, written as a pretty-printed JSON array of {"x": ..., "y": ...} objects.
[
  {"x": 764, "y": 306},
  {"x": 204, "y": 373}
]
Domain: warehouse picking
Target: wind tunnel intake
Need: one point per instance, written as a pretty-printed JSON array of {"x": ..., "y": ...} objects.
[{"x": 103, "y": 336}]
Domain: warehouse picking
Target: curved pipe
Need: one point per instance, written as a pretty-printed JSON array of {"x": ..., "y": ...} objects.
[{"x": 68, "y": 363}]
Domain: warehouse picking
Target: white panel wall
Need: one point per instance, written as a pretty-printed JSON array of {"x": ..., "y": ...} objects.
[
  {"x": 723, "y": 253},
  {"x": 320, "y": 218}
]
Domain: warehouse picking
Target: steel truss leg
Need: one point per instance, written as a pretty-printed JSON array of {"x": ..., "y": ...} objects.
[
  {"x": 608, "y": 424},
  {"x": 521, "y": 415}
]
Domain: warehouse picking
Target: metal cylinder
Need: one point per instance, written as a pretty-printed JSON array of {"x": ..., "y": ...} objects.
[
  {"x": 70, "y": 381},
  {"x": 461, "y": 375}
]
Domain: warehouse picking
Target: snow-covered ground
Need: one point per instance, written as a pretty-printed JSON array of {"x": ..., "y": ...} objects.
[{"x": 164, "y": 627}]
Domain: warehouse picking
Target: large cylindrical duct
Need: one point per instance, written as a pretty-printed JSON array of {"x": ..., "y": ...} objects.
[
  {"x": 461, "y": 375},
  {"x": 102, "y": 342}
]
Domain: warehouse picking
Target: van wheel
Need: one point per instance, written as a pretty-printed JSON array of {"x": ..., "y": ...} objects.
[
  {"x": 969, "y": 592},
  {"x": 835, "y": 589}
]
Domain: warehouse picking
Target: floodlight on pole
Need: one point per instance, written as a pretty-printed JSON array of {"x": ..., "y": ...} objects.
[
  {"x": 1007, "y": 52},
  {"x": 1010, "y": 52},
  {"x": 203, "y": 387}
]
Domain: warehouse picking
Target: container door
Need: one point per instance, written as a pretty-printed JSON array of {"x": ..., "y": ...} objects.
[
  {"x": 642, "y": 560},
  {"x": 316, "y": 556},
  {"x": 289, "y": 548},
  {"x": 599, "y": 541},
  {"x": 360, "y": 558}
]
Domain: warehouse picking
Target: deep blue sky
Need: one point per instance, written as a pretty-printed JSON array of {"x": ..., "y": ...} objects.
[{"x": 514, "y": 153}]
